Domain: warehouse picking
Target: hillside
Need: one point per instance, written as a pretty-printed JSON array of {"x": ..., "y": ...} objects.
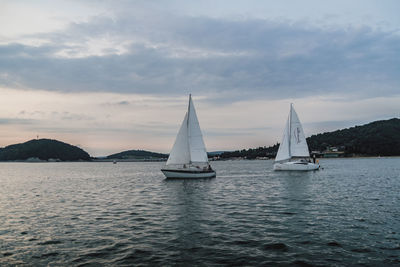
[
  {"x": 43, "y": 149},
  {"x": 379, "y": 138},
  {"x": 215, "y": 153},
  {"x": 252, "y": 153},
  {"x": 137, "y": 154}
]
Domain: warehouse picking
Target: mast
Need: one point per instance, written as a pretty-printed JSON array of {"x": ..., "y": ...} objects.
[
  {"x": 188, "y": 131},
  {"x": 188, "y": 112},
  {"x": 290, "y": 128}
]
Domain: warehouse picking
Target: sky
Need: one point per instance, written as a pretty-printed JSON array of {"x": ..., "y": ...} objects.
[{"x": 109, "y": 76}]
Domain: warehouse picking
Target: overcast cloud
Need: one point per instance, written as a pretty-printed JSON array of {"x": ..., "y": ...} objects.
[{"x": 241, "y": 58}]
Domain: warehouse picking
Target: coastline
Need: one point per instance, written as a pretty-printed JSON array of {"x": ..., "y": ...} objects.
[{"x": 163, "y": 160}]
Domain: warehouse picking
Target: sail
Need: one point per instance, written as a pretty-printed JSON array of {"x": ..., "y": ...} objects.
[
  {"x": 298, "y": 143},
  {"x": 189, "y": 145},
  {"x": 180, "y": 153},
  {"x": 198, "y": 152},
  {"x": 293, "y": 141},
  {"x": 283, "y": 151}
]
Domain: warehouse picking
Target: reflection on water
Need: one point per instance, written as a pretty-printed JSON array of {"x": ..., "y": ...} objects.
[{"x": 127, "y": 214}]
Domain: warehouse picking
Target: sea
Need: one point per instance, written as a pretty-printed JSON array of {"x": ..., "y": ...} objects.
[{"x": 127, "y": 214}]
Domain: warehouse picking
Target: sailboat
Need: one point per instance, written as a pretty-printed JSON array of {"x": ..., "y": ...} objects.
[
  {"x": 293, "y": 152},
  {"x": 188, "y": 157}
]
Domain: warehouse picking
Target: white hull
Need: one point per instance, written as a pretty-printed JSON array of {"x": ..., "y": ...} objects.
[
  {"x": 295, "y": 166},
  {"x": 188, "y": 174}
]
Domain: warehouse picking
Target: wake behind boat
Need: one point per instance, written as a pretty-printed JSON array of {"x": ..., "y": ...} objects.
[
  {"x": 293, "y": 152},
  {"x": 188, "y": 157}
]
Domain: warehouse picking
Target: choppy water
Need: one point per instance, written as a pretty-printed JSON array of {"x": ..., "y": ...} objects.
[{"x": 127, "y": 214}]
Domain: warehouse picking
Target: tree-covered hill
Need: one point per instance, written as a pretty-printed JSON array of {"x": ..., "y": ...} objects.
[
  {"x": 379, "y": 138},
  {"x": 44, "y": 149},
  {"x": 137, "y": 154},
  {"x": 252, "y": 153}
]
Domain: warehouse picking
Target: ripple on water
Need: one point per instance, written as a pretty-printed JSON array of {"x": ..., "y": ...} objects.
[
  {"x": 276, "y": 247},
  {"x": 50, "y": 242},
  {"x": 361, "y": 250},
  {"x": 302, "y": 263},
  {"x": 334, "y": 244},
  {"x": 305, "y": 242},
  {"x": 134, "y": 255},
  {"x": 247, "y": 243},
  {"x": 390, "y": 248},
  {"x": 46, "y": 255}
]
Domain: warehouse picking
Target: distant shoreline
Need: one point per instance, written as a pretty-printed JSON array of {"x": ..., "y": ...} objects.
[
  {"x": 128, "y": 160},
  {"x": 148, "y": 160}
]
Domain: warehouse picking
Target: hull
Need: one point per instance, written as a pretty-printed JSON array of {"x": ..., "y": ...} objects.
[
  {"x": 188, "y": 174},
  {"x": 295, "y": 166}
]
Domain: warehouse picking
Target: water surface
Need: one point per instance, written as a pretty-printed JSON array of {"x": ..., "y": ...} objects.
[{"x": 72, "y": 214}]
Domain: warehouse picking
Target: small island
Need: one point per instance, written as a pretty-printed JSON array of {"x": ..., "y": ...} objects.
[
  {"x": 138, "y": 155},
  {"x": 43, "y": 150}
]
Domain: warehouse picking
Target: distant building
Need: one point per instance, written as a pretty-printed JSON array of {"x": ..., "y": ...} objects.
[{"x": 332, "y": 152}]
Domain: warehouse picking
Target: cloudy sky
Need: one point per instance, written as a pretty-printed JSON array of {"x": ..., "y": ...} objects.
[{"x": 115, "y": 75}]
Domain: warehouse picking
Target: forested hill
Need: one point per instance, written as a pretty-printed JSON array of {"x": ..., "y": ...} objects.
[
  {"x": 43, "y": 149},
  {"x": 379, "y": 138},
  {"x": 137, "y": 154}
]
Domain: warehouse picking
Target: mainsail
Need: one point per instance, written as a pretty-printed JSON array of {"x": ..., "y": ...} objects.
[
  {"x": 294, "y": 142},
  {"x": 197, "y": 148},
  {"x": 189, "y": 145},
  {"x": 298, "y": 143}
]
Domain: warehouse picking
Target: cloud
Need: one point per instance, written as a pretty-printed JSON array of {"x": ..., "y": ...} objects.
[
  {"x": 224, "y": 58},
  {"x": 117, "y": 104},
  {"x": 235, "y": 131},
  {"x": 16, "y": 121}
]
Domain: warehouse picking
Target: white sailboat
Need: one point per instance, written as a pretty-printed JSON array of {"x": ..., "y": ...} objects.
[
  {"x": 293, "y": 152},
  {"x": 188, "y": 157}
]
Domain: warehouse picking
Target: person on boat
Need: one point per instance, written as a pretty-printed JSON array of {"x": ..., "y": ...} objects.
[
  {"x": 314, "y": 158},
  {"x": 184, "y": 166},
  {"x": 209, "y": 167}
]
